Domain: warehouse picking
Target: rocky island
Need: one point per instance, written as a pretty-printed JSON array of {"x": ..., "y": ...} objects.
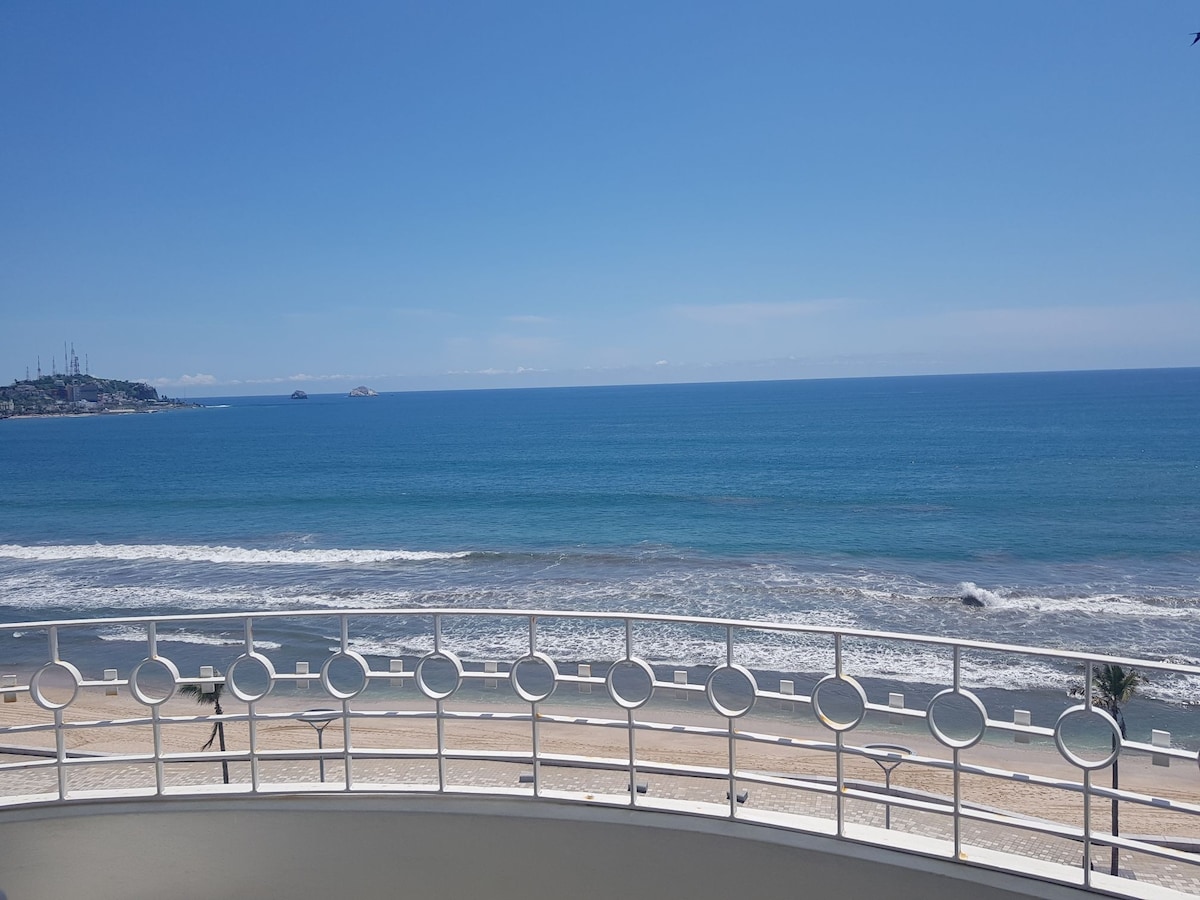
[
  {"x": 363, "y": 391},
  {"x": 66, "y": 395}
]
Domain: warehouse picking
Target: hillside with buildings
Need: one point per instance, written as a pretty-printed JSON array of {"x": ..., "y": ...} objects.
[{"x": 79, "y": 395}]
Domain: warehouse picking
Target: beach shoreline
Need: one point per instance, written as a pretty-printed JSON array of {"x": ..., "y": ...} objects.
[{"x": 562, "y": 734}]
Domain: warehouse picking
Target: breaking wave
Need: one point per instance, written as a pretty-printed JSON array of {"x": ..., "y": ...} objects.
[
  {"x": 220, "y": 554},
  {"x": 137, "y": 635}
]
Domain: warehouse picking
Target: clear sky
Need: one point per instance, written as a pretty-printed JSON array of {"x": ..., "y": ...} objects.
[{"x": 246, "y": 197}]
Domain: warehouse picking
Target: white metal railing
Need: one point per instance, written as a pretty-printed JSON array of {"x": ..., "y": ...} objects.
[{"x": 808, "y": 742}]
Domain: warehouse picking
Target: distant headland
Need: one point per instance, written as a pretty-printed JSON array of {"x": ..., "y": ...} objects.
[{"x": 70, "y": 395}]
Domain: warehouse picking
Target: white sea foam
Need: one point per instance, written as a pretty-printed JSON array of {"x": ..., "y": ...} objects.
[
  {"x": 1081, "y": 617},
  {"x": 138, "y": 635},
  {"x": 567, "y": 640},
  {"x": 219, "y": 554},
  {"x": 1101, "y": 604},
  {"x": 968, "y": 590},
  {"x": 85, "y": 599},
  {"x": 783, "y": 655}
]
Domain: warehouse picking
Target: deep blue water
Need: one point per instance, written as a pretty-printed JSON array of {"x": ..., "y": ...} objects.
[{"x": 1068, "y": 502}]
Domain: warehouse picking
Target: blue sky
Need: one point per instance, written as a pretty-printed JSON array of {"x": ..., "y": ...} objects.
[{"x": 243, "y": 198}]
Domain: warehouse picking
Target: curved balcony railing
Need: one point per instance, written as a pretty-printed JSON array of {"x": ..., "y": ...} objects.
[{"x": 578, "y": 707}]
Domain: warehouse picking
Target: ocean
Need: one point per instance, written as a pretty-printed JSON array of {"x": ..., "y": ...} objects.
[{"x": 1067, "y": 503}]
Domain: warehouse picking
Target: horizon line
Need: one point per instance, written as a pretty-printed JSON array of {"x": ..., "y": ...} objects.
[{"x": 631, "y": 384}]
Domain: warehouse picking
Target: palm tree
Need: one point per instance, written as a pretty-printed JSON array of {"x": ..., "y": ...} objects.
[
  {"x": 1112, "y": 687},
  {"x": 211, "y": 698}
]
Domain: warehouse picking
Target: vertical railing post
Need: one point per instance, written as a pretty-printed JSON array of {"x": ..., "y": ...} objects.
[
  {"x": 440, "y": 711},
  {"x": 535, "y": 746},
  {"x": 629, "y": 724},
  {"x": 840, "y": 746},
  {"x": 155, "y": 716},
  {"x": 60, "y": 738},
  {"x": 1087, "y": 790},
  {"x": 732, "y": 736},
  {"x": 60, "y": 747},
  {"x": 347, "y": 748},
  {"x": 1087, "y": 828},
  {"x": 251, "y": 716},
  {"x": 957, "y": 766}
]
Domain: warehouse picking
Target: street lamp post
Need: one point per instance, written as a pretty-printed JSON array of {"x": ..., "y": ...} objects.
[
  {"x": 318, "y": 719},
  {"x": 896, "y": 754}
]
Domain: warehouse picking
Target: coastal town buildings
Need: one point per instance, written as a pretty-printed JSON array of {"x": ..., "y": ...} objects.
[{"x": 78, "y": 394}]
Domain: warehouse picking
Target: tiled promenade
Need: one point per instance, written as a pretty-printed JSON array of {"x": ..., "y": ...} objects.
[{"x": 423, "y": 775}]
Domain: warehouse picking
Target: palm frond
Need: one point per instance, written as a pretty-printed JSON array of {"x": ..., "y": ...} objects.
[
  {"x": 204, "y": 698},
  {"x": 1113, "y": 686},
  {"x": 210, "y": 697}
]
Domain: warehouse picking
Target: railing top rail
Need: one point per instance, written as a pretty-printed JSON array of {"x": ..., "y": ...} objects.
[
  {"x": 806, "y": 771},
  {"x": 752, "y": 624}
]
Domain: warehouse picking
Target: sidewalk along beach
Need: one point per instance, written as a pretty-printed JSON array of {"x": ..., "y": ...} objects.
[{"x": 603, "y": 742}]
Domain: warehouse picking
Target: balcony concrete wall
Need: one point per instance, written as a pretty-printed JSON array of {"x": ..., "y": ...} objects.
[{"x": 372, "y": 846}]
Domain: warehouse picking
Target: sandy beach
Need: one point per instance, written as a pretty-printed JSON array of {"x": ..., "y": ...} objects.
[{"x": 1179, "y": 782}]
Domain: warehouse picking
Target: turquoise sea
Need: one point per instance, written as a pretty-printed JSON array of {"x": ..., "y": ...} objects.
[{"x": 1067, "y": 503}]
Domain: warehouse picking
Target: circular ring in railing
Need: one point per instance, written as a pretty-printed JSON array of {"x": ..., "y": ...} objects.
[
  {"x": 250, "y": 661},
  {"x": 531, "y": 663},
  {"x": 358, "y": 663},
  {"x": 732, "y": 679},
  {"x": 1100, "y": 717},
  {"x": 857, "y": 696},
  {"x": 974, "y": 710},
  {"x": 643, "y": 672},
  {"x": 51, "y": 668},
  {"x": 422, "y": 677},
  {"x": 145, "y": 689}
]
